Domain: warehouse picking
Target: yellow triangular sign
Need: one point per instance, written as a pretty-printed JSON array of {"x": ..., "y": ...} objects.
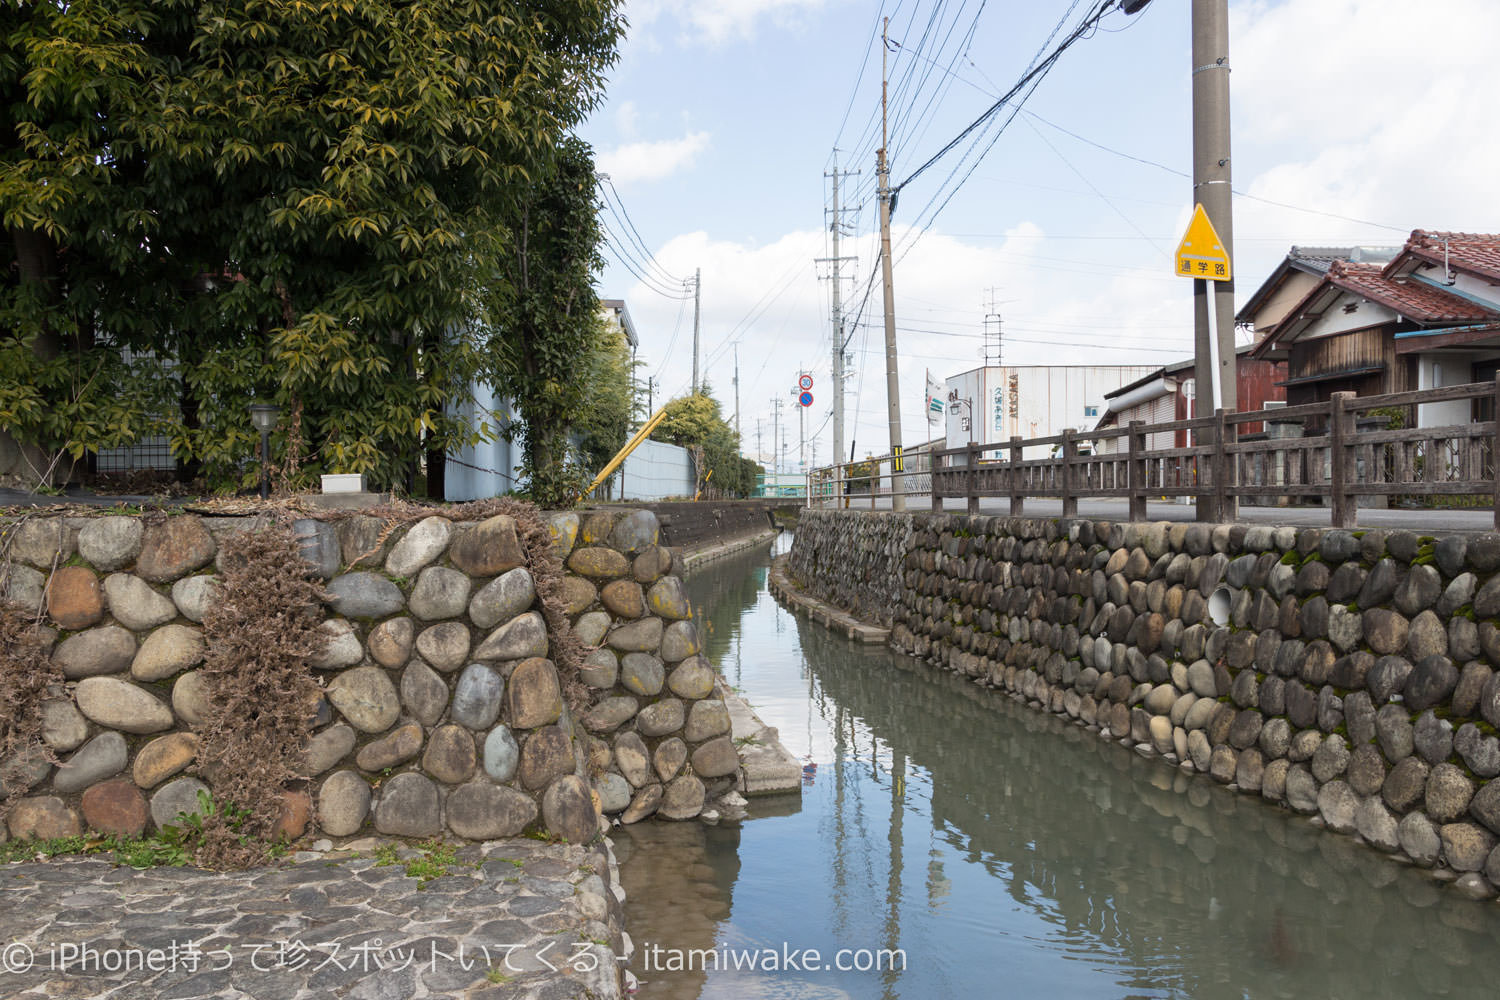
[{"x": 1201, "y": 254}]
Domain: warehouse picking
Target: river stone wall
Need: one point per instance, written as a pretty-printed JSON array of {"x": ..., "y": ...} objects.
[
  {"x": 1352, "y": 677},
  {"x": 848, "y": 559},
  {"x": 441, "y": 713}
]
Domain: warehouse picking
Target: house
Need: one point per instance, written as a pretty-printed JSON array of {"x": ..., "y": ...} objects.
[
  {"x": 1293, "y": 278},
  {"x": 1167, "y": 394},
  {"x": 1428, "y": 317}
]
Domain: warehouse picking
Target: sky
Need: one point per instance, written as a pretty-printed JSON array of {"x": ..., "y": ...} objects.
[{"x": 1352, "y": 122}]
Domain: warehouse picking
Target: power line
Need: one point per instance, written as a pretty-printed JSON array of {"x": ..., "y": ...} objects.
[
  {"x": 617, "y": 209},
  {"x": 1035, "y": 73}
]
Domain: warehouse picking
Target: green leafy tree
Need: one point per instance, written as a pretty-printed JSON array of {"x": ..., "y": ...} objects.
[
  {"x": 314, "y": 202},
  {"x": 610, "y": 406},
  {"x": 545, "y": 319},
  {"x": 696, "y": 422}
]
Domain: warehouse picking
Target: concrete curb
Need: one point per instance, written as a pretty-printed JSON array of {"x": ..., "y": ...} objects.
[
  {"x": 825, "y": 614},
  {"x": 766, "y": 767},
  {"x": 699, "y": 557}
]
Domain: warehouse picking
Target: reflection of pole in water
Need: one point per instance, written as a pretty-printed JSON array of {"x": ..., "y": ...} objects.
[
  {"x": 840, "y": 833},
  {"x": 893, "y": 884}
]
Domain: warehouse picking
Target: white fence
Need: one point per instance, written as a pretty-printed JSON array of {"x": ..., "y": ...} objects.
[{"x": 655, "y": 471}]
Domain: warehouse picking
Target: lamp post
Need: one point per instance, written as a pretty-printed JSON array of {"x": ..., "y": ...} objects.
[{"x": 263, "y": 416}]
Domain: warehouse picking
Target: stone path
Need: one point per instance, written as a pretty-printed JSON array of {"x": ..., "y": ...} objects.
[{"x": 320, "y": 926}]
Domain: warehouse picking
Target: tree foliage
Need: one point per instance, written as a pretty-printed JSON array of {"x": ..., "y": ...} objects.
[
  {"x": 695, "y": 421},
  {"x": 546, "y": 316},
  {"x": 319, "y": 203},
  {"x": 610, "y": 406}
]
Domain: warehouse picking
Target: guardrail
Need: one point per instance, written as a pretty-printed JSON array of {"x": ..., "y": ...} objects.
[{"x": 1332, "y": 460}]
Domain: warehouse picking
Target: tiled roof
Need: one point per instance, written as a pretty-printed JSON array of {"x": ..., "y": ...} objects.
[
  {"x": 1477, "y": 253},
  {"x": 1418, "y": 302},
  {"x": 1319, "y": 258}
]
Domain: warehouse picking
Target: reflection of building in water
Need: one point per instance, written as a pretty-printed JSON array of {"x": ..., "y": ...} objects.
[{"x": 938, "y": 883}]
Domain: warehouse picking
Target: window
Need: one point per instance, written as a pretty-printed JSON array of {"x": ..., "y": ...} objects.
[{"x": 1091, "y": 411}]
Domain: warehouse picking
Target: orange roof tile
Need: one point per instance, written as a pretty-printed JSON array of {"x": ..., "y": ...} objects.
[
  {"x": 1418, "y": 302},
  {"x": 1477, "y": 253}
]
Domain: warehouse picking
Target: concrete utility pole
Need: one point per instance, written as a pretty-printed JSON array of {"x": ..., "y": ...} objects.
[
  {"x": 892, "y": 387},
  {"x": 758, "y": 451},
  {"x": 836, "y": 228},
  {"x": 1211, "y": 188},
  {"x": 776, "y": 434},
  {"x": 801, "y": 438},
  {"x": 697, "y": 291},
  {"x": 738, "y": 441}
]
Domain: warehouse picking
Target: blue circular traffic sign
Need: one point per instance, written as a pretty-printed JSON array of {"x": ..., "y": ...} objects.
[{"x": 805, "y": 399}]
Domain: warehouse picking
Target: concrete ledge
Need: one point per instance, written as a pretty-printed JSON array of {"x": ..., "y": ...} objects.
[
  {"x": 701, "y": 556},
  {"x": 766, "y": 767},
  {"x": 825, "y": 614}
]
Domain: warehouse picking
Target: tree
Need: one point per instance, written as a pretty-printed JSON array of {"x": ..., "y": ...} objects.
[
  {"x": 695, "y": 422},
  {"x": 610, "y": 406},
  {"x": 545, "y": 315},
  {"x": 317, "y": 203}
]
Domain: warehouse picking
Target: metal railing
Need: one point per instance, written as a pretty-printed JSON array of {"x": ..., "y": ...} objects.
[{"x": 1332, "y": 460}]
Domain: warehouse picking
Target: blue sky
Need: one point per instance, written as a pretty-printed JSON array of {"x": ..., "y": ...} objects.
[{"x": 722, "y": 115}]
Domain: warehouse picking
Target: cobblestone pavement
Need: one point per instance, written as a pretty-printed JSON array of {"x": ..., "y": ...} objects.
[{"x": 319, "y": 927}]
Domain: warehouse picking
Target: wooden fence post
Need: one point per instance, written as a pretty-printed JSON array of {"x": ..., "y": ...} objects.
[
  {"x": 1226, "y": 505},
  {"x": 1017, "y": 495},
  {"x": 972, "y": 457},
  {"x": 1495, "y": 450},
  {"x": 1069, "y": 501},
  {"x": 937, "y": 495},
  {"x": 1135, "y": 470},
  {"x": 1342, "y": 500}
]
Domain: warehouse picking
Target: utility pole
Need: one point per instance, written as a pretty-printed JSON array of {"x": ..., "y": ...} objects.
[
  {"x": 697, "y": 292},
  {"x": 892, "y": 388},
  {"x": 650, "y": 396},
  {"x": 836, "y": 229},
  {"x": 801, "y": 438},
  {"x": 758, "y": 451},
  {"x": 1213, "y": 344},
  {"x": 776, "y": 434},
  {"x": 738, "y": 441}
]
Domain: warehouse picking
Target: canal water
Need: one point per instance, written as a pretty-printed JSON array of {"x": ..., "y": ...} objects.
[{"x": 989, "y": 850}]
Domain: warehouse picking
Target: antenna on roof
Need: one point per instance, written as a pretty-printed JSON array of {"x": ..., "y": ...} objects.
[{"x": 1449, "y": 277}]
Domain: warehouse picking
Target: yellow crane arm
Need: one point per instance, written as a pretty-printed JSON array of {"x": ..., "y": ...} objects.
[{"x": 623, "y": 453}]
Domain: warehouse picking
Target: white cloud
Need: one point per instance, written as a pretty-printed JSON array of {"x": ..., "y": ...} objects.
[
  {"x": 718, "y": 21},
  {"x": 1367, "y": 109},
  {"x": 651, "y": 161},
  {"x": 769, "y": 298},
  {"x": 627, "y": 119}
]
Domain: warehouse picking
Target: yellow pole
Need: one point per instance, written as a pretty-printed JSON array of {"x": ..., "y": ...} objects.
[{"x": 630, "y": 446}]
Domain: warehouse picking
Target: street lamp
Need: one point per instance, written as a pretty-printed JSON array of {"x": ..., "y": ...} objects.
[{"x": 263, "y": 416}]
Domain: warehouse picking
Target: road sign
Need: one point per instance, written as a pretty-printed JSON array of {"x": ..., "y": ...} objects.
[
  {"x": 806, "y": 383},
  {"x": 1201, "y": 254},
  {"x": 806, "y": 398}
]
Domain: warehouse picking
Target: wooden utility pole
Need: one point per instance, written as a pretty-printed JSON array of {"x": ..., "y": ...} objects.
[{"x": 892, "y": 386}]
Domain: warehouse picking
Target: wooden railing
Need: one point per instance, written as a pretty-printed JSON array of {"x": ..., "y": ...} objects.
[{"x": 1332, "y": 461}]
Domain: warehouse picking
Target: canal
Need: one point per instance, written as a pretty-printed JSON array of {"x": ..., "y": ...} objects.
[{"x": 988, "y": 850}]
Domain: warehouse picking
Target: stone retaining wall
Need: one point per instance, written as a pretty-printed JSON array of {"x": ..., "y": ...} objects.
[
  {"x": 849, "y": 558},
  {"x": 1344, "y": 675},
  {"x": 441, "y": 712}
]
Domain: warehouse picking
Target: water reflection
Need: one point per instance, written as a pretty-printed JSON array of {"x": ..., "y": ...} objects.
[{"x": 1011, "y": 854}]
